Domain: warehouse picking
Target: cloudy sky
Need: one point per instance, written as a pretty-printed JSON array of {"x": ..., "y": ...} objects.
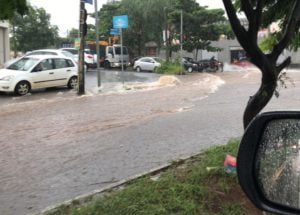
[{"x": 65, "y": 13}]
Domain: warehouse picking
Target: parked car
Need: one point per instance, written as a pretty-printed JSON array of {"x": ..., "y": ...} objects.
[
  {"x": 38, "y": 71},
  {"x": 147, "y": 64},
  {"x": 90, "y": 60},
  {"x": 210, "y": 65},
  {"x": 244, "y": 62},
  {"x": 132, "y": 60},
  {"x": 189, "y": 64},
  {"x": 54, "y": 52}
]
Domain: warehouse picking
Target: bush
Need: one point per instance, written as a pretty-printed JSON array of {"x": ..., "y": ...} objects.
[{"x": 171, "y": 68}]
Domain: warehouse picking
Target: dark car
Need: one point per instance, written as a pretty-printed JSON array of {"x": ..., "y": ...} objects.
[
  {"x": 189, "y": 64},
  {"x": 210, "y": 65}
]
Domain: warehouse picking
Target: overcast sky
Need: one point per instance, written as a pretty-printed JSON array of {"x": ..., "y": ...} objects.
[{"x": 65, "y": 13}]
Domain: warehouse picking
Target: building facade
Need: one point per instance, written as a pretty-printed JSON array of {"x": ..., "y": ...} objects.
[{"x": 4, "y": 43}]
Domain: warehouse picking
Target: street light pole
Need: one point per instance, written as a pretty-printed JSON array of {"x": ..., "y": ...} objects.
[
  {"x": 97, "y": 43},
  {"x": 122, "y": 57}
]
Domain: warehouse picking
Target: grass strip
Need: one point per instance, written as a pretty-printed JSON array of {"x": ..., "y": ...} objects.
[{"x": 195, "y": 186}]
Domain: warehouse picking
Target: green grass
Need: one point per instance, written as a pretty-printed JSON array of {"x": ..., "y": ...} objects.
[
  {"x": 170, "y": 68},
  {"x": 186, "y": 188}
]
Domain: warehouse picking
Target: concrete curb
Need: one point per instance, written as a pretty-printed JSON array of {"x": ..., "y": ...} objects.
[{"x": 115, "y": 185}]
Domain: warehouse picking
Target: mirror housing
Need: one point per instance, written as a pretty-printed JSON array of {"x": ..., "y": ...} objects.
[{"x": 248, "y": 158}]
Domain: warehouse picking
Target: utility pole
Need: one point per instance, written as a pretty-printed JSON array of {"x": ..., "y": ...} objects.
[
  {"x": 166, "y": 34},
  {"x": 122, "y": 56},
  {"x": 181, "y": 38},
  {"x": 82, "y": 32},
  {"x": 97, "y": 44}
]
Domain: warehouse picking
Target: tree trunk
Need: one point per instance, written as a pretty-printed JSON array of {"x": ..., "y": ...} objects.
[
  {"x": 257, "y": 102},
  {"x": 140, "y": 45},
  {"x": 197, "y": 54}
]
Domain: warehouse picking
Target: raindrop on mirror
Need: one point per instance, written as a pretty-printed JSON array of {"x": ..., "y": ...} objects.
[{"x": 278, "y": 162}]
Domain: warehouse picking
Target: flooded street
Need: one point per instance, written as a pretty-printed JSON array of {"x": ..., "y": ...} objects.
[
  {"x": 111, "y": 81},
  {"x": 55, "y": 145}
]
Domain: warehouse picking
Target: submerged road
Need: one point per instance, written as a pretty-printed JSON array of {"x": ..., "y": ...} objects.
[{"x": 53, "y": 150}]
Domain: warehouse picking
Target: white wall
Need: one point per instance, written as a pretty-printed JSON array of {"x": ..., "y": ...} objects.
[{"x": 4, "y": 43}]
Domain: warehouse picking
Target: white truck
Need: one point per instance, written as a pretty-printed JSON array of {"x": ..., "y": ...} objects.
[{"x": 110, "y": 55}]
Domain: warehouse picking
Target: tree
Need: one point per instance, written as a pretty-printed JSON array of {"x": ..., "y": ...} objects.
[
  {"x": 261, "y": 13},
  {"x": 73, "y": 34},
  {"x": 145, "y": 22},
  {"x": 200, "y": 25},
  {"x": 33, "y": 30},
  {"x": 9, "y": 8}
]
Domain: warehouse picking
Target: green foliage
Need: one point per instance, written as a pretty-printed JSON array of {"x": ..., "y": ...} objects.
[
  {"x": 171, "y": 68},
  {"x": 33, "y": 30},
  {"x": 186, "y": 188},
  {"x": 8, "y": 8},
  {"x": 147, "y": 22},
  {"x": 277, "y": 12},
  {"x": 268, "y": 43},
  {"x": 200, "y": 25}
]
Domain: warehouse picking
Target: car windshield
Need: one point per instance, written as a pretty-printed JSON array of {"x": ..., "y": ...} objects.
[
  {"x": 118, "y": 50},
  {"x": 23, "y": 64}
]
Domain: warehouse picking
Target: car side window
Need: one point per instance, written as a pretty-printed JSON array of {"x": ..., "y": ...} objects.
[
  {"x": 110, "y": 50},
  {"x": 44, "y": 65},
  {"x": 47, "y": 64},
  {"x": 147, "y": 60},
  {"x": 70, "y": 63},
  {"x": 60, "y": 63}
]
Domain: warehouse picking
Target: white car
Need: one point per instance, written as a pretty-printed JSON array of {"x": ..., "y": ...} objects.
[
  {"x": 54, "y": 52},
  {"x": 38, "y": 71},
  {"x": 147, "y": 64},
  {"x": 89, "y": 59}
]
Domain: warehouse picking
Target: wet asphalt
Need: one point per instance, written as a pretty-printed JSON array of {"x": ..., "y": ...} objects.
[{"x": 57, "y": 148}]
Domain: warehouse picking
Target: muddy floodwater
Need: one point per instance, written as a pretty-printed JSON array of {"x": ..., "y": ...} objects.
[{"x": 54, "y": 149}]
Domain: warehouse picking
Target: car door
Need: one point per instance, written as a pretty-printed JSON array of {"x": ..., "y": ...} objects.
[
  {"x": 62, "y": 70},
  {"x": 146, "y": 64},
  {"x": 42, "y": 75}
]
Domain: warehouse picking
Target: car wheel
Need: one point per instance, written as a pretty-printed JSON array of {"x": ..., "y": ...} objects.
[
  {"x": 190, "y": 69},
  {"x": 22, "y": 88},
  {"x": 138, "y": 69},
  {"x": 72, "y": 84}
]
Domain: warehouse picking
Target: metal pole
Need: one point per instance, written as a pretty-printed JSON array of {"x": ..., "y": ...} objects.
[
  {"x": 81, "y": 51},
  {"x": 97, "y": 43},
  {"x": 181, "y": 39},
  {"x": 122, "y": 59}
]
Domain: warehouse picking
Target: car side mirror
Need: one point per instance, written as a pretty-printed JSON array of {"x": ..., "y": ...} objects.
[{"x": 269, "y": 162}]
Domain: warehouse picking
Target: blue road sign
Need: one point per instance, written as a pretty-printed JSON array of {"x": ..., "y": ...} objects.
[
  {"x": 88, "y": 1},
  {"x": 120, "y": 21},
  {"x": 114, "y": 31}
]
